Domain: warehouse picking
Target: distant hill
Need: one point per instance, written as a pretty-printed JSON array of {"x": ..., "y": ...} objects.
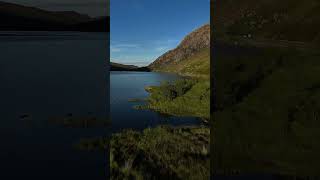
[
  {"x": 122, "y": 67},
  {"x": 17, "y": 17},
  {"x": 191, "y": 57},
  {"x": 96, "y": 25},
  {"x": 292, "y": 20}
]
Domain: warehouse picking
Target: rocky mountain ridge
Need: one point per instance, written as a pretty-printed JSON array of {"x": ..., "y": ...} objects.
[{"x": 192, "y": 44}]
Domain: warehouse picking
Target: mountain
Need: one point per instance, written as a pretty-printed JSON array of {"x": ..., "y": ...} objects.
[
  {"x": 291, "y": 20},
  {"x": 17, "y": 17},
  {"x": 122, "y": 67},
  {"x": 190, "y": 57},
  {"x": 101, "y": 24}
]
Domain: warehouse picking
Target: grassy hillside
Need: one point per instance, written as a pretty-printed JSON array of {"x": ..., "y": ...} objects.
[
  {"x": 188, "y": 97},
  {"x": 292, "y": 20},
  {"x": 190, "y": 57},
  {"x": 268, "y": 111},
  {"x": 267, "y": 87},
  {"x": 198, "y": 65}
]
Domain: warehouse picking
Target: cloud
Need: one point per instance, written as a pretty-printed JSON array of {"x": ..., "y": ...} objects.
[
  {"x": 162, "y": 48},
  {"x": 127, "y": 45},
  {"x": 167, "y": 42},
  {"x": 113, "y": 49},
  {"x": 123, "y": 47},
  {"x": 140, "y": 53},
  {"x": 165, "y": 45}
]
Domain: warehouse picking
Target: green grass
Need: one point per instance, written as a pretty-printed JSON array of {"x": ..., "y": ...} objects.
[
  {"x": 161, "y": 153},
  {"x": 185, "y": 97},
  {"x": 268, "y": 118}
]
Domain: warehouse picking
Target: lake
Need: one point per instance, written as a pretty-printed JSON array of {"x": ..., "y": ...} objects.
[
  {"x": 45, "y": 75},
  {"x": 130, "y": 85}
]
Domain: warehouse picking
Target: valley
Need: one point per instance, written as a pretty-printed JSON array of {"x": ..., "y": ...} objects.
[{"x": 136, "y": 154}]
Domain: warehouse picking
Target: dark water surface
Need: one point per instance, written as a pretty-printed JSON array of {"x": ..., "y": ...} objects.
[
  {"x": 45, "y": 75},
  {"x": 130, "y": 85}
]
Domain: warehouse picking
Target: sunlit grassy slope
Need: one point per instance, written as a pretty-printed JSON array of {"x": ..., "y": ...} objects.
[{"x": 197, "y": 65}]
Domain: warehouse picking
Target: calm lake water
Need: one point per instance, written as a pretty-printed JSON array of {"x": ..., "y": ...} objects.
[
  {"x": 129, "y": 85},
  {"x": 45, "y": 75}
]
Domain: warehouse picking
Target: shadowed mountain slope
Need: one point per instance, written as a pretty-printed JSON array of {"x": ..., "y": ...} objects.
[
  {"x": 23, "y": 18},
  {"x": 291, "y": 20}
]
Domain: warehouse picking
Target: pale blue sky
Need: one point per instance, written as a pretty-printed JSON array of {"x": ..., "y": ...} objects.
[{"x": 142, "y": 30}]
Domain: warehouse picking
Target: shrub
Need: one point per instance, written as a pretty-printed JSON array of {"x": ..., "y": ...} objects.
[
  {"x": 167, "y": 91},
  {"x": 182, "y": 86}
]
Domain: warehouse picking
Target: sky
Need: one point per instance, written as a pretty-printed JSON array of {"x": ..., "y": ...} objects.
[
  {"x": 93, "y": 8},
  {"x": 142, "y": 30}
]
